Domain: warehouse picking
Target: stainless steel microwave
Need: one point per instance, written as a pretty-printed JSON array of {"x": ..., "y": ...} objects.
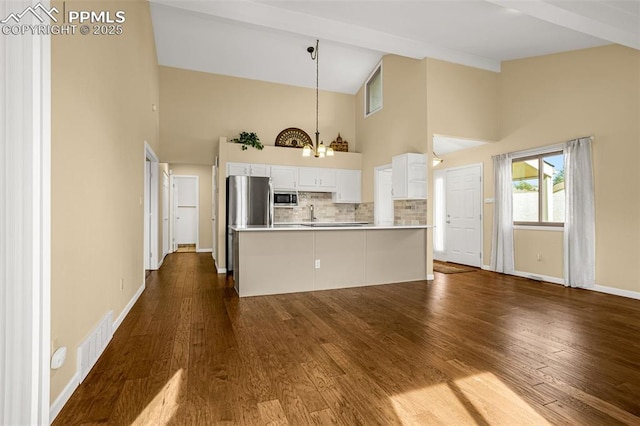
[{"x": 285, "y": 199}]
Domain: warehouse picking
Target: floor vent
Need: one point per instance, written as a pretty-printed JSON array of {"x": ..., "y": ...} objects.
[{"x": 91, "y": 349}]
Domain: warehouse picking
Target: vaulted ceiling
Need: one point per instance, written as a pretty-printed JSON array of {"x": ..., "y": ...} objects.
[{"x": 267, "y": 40}]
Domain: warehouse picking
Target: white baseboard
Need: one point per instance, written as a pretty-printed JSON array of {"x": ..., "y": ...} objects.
[
  {"x": 486, "y": 268},
  {"x": 127, "y": 308},
  {"x": 599, "y": 288},
  {"x": 204, "y": 250},
  {"x": 222, "y": 270},
  {"x": 430, "y": 277},
  {"x": 73, "y": 384},
  {"x": 616, "y": 291},
  {"x": 64, "y": 396},
  {"x": 539, "y": 277}
]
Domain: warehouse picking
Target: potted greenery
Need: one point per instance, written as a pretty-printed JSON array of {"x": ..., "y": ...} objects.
[{"x": 247, "y": 140}]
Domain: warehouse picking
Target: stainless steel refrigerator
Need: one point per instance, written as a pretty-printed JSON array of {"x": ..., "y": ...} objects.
[{"x": 249, "y": 202}]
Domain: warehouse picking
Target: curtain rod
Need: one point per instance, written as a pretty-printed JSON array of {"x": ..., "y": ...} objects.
[{"x": 543, "y": 149}]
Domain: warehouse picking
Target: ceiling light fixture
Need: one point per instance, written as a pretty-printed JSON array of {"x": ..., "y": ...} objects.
[
  {"x": 320, "y": 150},
  {"x": 436, "y": 160}
]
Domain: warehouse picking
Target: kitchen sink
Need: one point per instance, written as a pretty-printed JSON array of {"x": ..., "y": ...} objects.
[{"x": 334, "y": 224}]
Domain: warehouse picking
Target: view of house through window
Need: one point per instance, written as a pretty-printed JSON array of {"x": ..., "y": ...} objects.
[
  {"x": 538, "y": 190},
  {"x": 373, "y": 91}
]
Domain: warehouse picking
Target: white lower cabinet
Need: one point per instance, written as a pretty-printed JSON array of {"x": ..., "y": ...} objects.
[{"x": 349, "y": 186}]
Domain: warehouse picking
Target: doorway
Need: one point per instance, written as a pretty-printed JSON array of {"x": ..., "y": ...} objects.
[
  {"x": 383, "y": 213},
  {"x": 458, "y": 215},
  {"x": 150, "y": 209},
  {"x": 185, "y": 212},
  {"x": 214, "y": 212},
  {"x": 165, "y": 215}
]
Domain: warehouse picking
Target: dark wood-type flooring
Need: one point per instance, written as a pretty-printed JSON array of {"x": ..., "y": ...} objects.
[{"x": 474, "y": 348}]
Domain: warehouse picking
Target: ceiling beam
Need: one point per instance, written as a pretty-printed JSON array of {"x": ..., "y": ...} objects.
[
  {"x": 548, "y": 12},
  {"x": 264, "y": 15}
]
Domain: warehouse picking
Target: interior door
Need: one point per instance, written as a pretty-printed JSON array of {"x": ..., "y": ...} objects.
[
  {"x": 165, "y": 214},
  {"x": 463, "y": 219},
  {"x": 185, "y": 194},
  {"x": 214, "y": 212}
]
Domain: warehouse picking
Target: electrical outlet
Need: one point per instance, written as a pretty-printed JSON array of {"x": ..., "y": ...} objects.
[
  {"x": 121, "y": 284},
  {"x": 317, "y": 263}
]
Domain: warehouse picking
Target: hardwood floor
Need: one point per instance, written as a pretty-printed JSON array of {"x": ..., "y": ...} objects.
[{"x": 470, "y": 348}]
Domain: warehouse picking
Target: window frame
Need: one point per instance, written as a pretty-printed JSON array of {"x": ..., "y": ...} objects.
[
  {"x": 539, "y": 156},
  {"x": 377, "y": 70}
]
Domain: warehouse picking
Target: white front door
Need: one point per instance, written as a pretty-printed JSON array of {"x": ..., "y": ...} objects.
[
  {"x": 383, "y": 199},
  {"x": 463, "y": 219},
  {"x": 185, "y": 195}
]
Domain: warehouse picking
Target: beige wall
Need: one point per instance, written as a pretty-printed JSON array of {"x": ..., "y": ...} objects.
[
  {"x": 199, "y": 108},
  {"x": 204, "y": 173},
  {"x": 462, "y": 101},
  {"x": 551, "y": 99},
  {"x": 401, "y": 125},
  {"x": 103, "y": 88}
]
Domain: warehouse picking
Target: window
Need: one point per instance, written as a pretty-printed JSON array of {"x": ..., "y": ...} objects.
[
  {"x": 373, "y": 92},
  {"x": 538, "y": 190}
]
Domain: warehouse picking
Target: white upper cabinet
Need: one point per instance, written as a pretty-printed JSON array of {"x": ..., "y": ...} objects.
[
  {"x": 246, "y": 169},
  {"x": 284, "y": 177},
  {"x": 409, "y": 177},
  {"x": 349, "y": 186},
  {"x": 316, "y": 180}
]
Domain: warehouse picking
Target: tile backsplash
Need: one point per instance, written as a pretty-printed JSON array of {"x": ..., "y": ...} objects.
[
  {"x": 410, "y": 212},
  {"x": 406, "y": 212},
  {"x": 325, "y": 209}
]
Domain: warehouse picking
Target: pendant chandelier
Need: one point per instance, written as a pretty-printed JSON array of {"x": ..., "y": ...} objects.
[{"x": 319, "y": 151}]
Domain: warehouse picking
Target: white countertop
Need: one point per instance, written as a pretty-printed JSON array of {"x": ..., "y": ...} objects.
[{"x": 325, "y": 226}]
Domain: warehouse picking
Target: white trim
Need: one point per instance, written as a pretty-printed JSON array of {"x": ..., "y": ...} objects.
[
  {"x": 538, "y": 277},
  {"x": 204, "y": 250},
  {"x": 538, "y": 228},
  {"x": 599, "y": 288},
  {"x": 616, "y": 291},
  {"x": 366, "y": 91},
  {"x": 537, "y": 151},
  {"x": 150, "y": 219},
  {"x": 430, "y": 277},
  {"x": 73, "y": 384},
  {"x": 127, "y": 308},
  {"x": 25, "y": 262},
  {"x": 64, "y": 396},
  {"x": 222, "y": 270}
]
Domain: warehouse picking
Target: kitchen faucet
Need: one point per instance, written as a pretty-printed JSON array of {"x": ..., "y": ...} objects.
[{"x": 311, "y": 215}]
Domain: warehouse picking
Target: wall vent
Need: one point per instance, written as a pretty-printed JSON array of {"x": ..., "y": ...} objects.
[{"x": 90, "y": 350}]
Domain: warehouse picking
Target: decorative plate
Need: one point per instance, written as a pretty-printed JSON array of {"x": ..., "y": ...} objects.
[{"x": 293, "y": 138}]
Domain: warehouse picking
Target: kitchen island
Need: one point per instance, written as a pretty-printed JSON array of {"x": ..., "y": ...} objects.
[{"x": 289, "y": 258}]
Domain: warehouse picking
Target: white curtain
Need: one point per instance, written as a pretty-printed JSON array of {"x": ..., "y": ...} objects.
[
  {"x": 579, "y": 222},
  {"x": 502, "y": 238}
]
